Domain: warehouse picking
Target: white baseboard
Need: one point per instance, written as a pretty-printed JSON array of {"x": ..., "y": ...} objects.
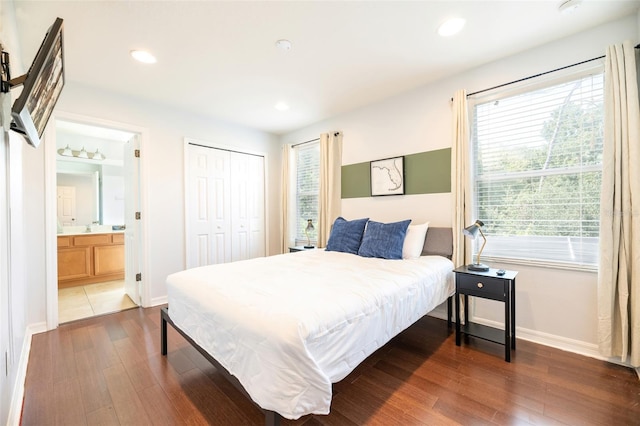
[
  {"x": 546, "y": 339},
  {"x": 558, "y": 342},
  {"x": 159, "y": 301},
  {"x": 15, "y": 409}
]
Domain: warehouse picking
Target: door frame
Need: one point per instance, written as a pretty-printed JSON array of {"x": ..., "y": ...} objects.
[
  {"x": 207, "y": 144},
  {"x": 51, "y": 246}
]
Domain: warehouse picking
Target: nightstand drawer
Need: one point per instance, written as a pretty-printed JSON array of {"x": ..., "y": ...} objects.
[{"x": 487, "y": 287}]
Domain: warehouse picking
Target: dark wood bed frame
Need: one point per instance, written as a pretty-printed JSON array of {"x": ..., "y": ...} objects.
[{"x": 439, "y": 241}]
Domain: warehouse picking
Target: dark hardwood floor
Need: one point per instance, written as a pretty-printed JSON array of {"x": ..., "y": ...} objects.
[{"x": 108, "y": 370}]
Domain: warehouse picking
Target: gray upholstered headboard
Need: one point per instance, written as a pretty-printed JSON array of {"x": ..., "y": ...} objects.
[{"x": 439, "y": 241}]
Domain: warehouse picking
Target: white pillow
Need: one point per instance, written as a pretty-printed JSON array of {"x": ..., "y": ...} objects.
[{"x": 414, "y": 241}]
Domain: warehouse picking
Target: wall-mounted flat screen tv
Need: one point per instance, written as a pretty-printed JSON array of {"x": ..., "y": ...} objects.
[{"x": 41, "y": 87}]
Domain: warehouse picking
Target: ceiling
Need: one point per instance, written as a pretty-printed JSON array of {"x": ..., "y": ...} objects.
[{"x": 219, "y": 58}]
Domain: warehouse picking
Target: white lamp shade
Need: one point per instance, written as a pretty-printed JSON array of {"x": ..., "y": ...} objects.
[
  {"x": 67, "y": 152},
  {"x": 83, "y": 153},
  {"x": 98, "y": 155}
]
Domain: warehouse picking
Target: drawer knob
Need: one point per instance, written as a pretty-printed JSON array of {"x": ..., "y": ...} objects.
[{"x": 480, "y": 285}]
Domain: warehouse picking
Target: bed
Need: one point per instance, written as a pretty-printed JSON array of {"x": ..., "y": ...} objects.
[{"x": 283, "y": 328}]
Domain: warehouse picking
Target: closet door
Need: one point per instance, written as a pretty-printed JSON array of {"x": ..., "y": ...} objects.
[
  {"x": 225, "y": 206},
  {"x": 239, "y": 206},
  {"x": 208, "y": 205},
  {"x": 247, "y": 206},
  {"x": 256, "y": 207}
]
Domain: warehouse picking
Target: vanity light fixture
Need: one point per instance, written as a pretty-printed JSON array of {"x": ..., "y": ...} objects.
[
  {"x": 67, "y": 152},
  {"x": 83, "y": 153},
  {"x": 451, "y": 27},
  {"x": 98, "y": 155},
  {"x": 143, "y": 56}
]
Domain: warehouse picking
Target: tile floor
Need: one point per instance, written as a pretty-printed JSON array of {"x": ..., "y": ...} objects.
[{"x": 92, "y": 299}]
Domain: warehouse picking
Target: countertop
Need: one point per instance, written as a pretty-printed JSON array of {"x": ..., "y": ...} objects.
[{"x": 82, "y": 230}]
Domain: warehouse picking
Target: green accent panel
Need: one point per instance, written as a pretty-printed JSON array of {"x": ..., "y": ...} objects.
[
  {"x": 424, "y": 173},
  {"x": 428, "y": 172},
  {"x": 356, "y": 180}
]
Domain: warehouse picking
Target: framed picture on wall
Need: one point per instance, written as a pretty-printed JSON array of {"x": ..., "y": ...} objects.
[{"x": 387, "y": 177}]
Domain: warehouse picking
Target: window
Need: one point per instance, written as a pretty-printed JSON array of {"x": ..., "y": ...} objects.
[
  {"x": 537, "y": 165},
  {"x": 307, "y": 187}
]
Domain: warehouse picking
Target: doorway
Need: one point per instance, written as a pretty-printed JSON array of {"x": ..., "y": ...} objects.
[{"x": 95, "y": 264}]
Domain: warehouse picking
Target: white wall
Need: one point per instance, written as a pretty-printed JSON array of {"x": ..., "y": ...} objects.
[
  {"x": 13, "y": 317},
  {"x": 6, "y": 381},
  {"x": 556, "y": 307}
]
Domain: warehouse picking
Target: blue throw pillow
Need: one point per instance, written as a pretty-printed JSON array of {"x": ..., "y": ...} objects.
[
  {"x": 384, "y": 240},
  {"x": 346, "y": 235}
]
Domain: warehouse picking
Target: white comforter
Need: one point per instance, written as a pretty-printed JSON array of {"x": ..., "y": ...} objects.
[{"x": 288, "y": 326}]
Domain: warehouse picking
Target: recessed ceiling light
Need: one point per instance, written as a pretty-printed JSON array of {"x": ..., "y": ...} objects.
[
  {"x": 284, "y": 45},
  {"x": 451, "y": 27},
  {"x": 568, "y": 6},
  {"x": 143, "y": 56},
  {"x": 281, "y": 106}
]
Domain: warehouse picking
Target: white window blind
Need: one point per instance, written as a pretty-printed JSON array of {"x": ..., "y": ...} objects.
[
  {"x": 307, "y": 158},
  {"x": 537, "y": 161}
]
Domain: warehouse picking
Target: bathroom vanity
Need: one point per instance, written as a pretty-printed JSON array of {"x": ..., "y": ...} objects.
[{"x": 87, "y": 258}]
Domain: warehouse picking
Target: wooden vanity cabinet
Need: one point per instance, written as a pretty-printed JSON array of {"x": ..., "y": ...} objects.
[{"x": 91, "y": 258}]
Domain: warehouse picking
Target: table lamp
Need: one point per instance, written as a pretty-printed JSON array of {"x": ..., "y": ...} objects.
[
  {"x": 472, "y": 231},
  {"x": 308, "y": 229}
]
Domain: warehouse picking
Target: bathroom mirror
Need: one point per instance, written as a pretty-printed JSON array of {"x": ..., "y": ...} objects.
[
  {"x": 89, "y": 193},
  {"x": 90, "y": 175}
]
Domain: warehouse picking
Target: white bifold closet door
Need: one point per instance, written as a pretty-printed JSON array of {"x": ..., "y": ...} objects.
[{"x": 225, "y": 206}]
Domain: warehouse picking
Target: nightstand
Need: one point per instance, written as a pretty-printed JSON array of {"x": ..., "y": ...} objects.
[
  {"x": 299, "y": 248},
  {"x": 488, "y": 285}
]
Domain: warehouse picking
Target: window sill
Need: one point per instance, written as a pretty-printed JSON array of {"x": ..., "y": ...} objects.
[{"x": 542, "y": 264}]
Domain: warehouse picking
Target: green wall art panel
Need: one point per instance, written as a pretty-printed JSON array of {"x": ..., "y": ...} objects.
[
  {"x": 356, "y": 180},
  {"x": 424, "y": 173}
]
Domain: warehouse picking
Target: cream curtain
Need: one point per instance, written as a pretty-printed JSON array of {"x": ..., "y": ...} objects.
[
  {"x": 619, "y": 271},
  {"x": 330, "y": 183},
  {"x": 460, "y": 178},
  {"x": 285, "y": 186}
]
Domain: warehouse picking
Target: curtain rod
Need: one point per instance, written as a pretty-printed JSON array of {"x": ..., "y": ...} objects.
[
  {"x": 539, "y": 75},
  {"x": 302, "y": 143},
  {"x": 312, "y": 140}
]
